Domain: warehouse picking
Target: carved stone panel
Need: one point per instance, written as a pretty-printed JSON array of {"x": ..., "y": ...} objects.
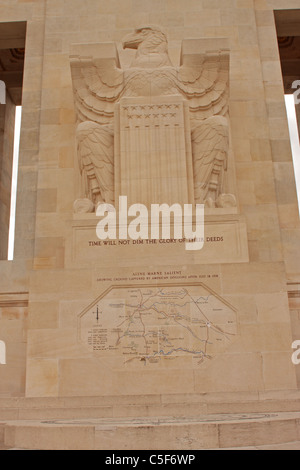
[
  {"x": 145, "y": 325},
  {"x": 153, "y": 160},
  {"x": 153, "y": 132}
]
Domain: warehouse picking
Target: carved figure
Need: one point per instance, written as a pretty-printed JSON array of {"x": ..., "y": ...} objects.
[{"x": 202, "y": 79}]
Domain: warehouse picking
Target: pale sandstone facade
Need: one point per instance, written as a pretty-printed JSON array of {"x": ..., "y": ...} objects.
[{"x": 56, "y": 275}]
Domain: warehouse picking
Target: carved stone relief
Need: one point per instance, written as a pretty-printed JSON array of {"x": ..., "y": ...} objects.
[
  {"x": 147, "y": 326},
  {"x": 154, "y": 132}
]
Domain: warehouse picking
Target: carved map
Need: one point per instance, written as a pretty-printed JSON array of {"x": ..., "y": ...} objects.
[{"x": 149, "y": 325}]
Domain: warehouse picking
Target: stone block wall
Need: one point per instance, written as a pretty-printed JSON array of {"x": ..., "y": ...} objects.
[{"x": 59, "y": 289}]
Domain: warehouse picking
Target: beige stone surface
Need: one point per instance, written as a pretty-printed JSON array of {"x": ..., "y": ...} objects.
[
  {"x": 47, "y": 371},
  {"x": 257, "y": 283},
  {"x": 217, "y": 431},
  {"x": 225, "y": 240},
  {"x": 58, "y": 272}
]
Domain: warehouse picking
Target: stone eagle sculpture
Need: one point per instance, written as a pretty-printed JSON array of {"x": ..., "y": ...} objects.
[{"x": 203, "y": 82}]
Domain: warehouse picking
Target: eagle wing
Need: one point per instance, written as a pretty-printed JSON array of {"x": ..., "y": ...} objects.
[
  {"x": 204, "y": 81},
  {"x": 95, "y": 153},
  {"x": 97, "y": 85},
  {"x": 210, "y": 142}
]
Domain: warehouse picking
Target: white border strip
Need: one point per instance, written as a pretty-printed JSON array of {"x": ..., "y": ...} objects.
[
  {"x": 294, "y": 136},
  {"x": 12, "y": 223}
]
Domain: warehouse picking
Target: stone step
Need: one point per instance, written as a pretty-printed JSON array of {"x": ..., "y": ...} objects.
[
  {"x": 183, "y": 421},
  {"x": 2, "y": 429},
  {"x": 147, "y": 406},
  {"x": 294, "y": 445},
  {"x": 217, "y": 431}
]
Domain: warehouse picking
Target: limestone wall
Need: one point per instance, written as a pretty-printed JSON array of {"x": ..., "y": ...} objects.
[
  {"x": 61, "y": 288},
  {"x": 14, "y": 275}
]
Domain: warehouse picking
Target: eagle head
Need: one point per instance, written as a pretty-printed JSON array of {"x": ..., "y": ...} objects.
[{"x": 148, "y": 40}]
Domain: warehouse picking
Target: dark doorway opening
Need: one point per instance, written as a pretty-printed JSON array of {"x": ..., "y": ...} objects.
[{"x": 12, "y": 56}]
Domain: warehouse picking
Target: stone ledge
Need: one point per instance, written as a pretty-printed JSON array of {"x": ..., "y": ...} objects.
[
  {"x": 149, "y": 406},
  {"x": 200, "y": 432}
]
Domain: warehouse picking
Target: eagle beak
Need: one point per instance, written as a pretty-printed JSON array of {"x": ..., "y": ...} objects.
[{"x": 132, "y": 41}]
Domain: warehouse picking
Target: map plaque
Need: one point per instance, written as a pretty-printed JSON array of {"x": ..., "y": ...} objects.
[{"x": 154, "y": 325}]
